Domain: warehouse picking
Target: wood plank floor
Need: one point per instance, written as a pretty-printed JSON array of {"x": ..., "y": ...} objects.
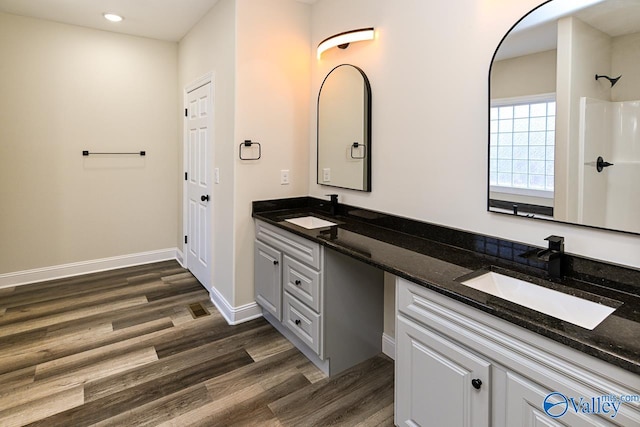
[{"x": 144, "y": 346}]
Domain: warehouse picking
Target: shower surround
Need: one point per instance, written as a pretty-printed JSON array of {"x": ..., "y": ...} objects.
[{"x": 610, "y": 198}]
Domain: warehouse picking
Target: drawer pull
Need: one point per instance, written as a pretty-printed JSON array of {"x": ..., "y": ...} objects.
[
  {"x": 275, "y": 262},
  {"x": 476, "y": 383},
  {"x": 297, "y": 322},
  {"x": 298, "y": 283}
]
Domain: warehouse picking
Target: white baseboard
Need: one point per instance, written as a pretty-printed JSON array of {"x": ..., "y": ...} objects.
[
  {"x": 389, "y": 346},
  {"x": 85, "y": 267},
  {"x": 234, "y": 315},
  {"x": 180, "y": 257}
]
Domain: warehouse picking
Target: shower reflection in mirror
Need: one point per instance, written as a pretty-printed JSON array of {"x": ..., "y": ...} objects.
[{"x": 551, "y": 120}]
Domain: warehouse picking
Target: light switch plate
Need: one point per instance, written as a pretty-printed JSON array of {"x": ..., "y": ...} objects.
[{"x": 216, "y": 175}]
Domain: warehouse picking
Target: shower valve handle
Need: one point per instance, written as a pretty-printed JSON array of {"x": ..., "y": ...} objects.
[{"x": 601, "y": 164}]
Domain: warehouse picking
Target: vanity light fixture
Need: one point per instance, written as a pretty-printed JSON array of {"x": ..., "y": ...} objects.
[
  {"x": 343, "y": 40},
  {"x": 112, "y": 17}
]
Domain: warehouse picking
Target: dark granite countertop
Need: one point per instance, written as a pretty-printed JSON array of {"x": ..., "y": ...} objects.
[{"x": 435, "y": 257}]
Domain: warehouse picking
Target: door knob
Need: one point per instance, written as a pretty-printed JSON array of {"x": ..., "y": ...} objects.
[
  {"x": 275, "y": 262},
  {"x": 204, "y": 198},
  {"x": 476, "y": 383}
]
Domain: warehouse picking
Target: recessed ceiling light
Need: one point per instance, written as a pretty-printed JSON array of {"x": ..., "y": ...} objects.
[{"x": 112, "y": 17}]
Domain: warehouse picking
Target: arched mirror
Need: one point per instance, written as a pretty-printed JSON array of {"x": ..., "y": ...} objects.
[
  {"x": 564, "y": 140},
  {"x": 344, "y": 129}
]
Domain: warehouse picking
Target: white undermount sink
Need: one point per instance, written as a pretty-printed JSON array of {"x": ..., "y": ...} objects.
[
  {"x": 310, "y": 222},
  {"x": 581, "y": 312}
]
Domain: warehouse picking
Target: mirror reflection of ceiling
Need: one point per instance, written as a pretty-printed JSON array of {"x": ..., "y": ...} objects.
[{"x": 538, "y": 33}]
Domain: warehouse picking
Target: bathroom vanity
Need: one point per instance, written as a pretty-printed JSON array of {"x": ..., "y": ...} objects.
[
  {"x": 463, "y": 356},
  {"x": 493, "y": 373},
  {"x": 326, "y": 303}
]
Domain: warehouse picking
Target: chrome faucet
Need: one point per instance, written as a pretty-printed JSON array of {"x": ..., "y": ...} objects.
[{"x": 553, "y": 256}]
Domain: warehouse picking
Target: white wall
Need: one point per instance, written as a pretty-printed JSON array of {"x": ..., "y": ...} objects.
[
  {"x": 429, "y": 70},
  {"x": 259, "y": 53},
  {"x": 66, "y": 89},
  {"x": 524, "y": 75},
  {"x": 582, "y": 49},
  {"x": 625, "y": 61},
  {"x": 210, "y": 47},
  {"x": 272, "y": 107}
]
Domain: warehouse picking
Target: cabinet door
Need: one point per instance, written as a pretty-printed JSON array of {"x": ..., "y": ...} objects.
[
  {"x": 435, "y": 380},
  {"x": 268, "y": 278},
  {"x": 524, "y": 405}
]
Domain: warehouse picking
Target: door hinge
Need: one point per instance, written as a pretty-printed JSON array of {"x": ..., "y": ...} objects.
[
  {"x": 186, "y": 112},
  {"x": 186, "y": 174},
  {"x": 186, "y": 240}
]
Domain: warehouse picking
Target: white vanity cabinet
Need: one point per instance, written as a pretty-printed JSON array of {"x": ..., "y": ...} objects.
[
  {"x": 443, "y": 347},
  {"x": 328, "y": 304},
  {"x": 268, "y": 278},
  {"x": 434, "y": 380}
]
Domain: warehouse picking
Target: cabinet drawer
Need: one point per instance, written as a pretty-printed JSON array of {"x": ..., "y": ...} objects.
[
  {"x": 301, "y": 249},
  {"x": 302, "y": 282},
  {"x": 302, "y": 321},
  {"x": 413, "y": 301}
]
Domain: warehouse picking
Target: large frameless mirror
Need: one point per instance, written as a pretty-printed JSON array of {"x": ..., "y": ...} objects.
[
  {"x": 565, "y": 115},
  {"x": 344, "y": 129}
]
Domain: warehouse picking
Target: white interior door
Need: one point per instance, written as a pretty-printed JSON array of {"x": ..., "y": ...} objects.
[{"x": 199, "y": 203}]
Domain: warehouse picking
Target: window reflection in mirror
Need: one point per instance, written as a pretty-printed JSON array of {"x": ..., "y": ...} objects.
[
  {"x": 554, "y": 124},
  {"x": 344, "y": 128}
]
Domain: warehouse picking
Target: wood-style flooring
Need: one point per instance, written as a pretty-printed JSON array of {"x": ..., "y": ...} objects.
[{"x": 145, "y": 346}]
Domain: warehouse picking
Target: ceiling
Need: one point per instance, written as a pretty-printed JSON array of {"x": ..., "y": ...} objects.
[
  {"x": 538, "y": 31},
  {"x": 166, "y": 20},
  {"x": 158, "y": 19}
]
